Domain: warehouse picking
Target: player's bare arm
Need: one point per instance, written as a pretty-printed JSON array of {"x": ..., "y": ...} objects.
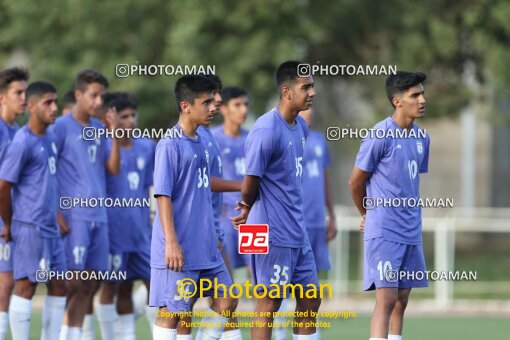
[
  {"x": 358, "y": 191},
  {"x": 62, "y": 223},
  {"x": 223, "y": 185},
  {"x": 113, "y": 162},
  {"x": 173, "y": 253},
  {"x": 249, "y": 192},
  {"x": 331, "y": 230},
  {"x": 6, "y": 209}
]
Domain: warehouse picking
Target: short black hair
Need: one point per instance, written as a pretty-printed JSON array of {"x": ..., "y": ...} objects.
[
  {"x": 12, "y": 74},
  {"x": 287, "y": 72},
  {"x": 188, "y": 88},
  {"x": 87, "y": 77},
  {"x": 402, "y": 81},
  {"x": 215, "y": 79},
  {"x": 68, "y": 98},
  {"x": 38, "y": 88},
  {"x": 232, "y": 92},
  {"x": 121, "y": 101}
]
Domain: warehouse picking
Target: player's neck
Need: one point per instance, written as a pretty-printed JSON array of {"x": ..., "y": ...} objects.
[
  {"x": 231, "y": 129},
  {"x": 37, "y": 127},
  {"x": 287, "y": 113},
  {"x": 81, "y": 116},
  {"x": 402, "y": 121},
  {"x": 125, "y": 142},
  {"x": 188, "y": 127},
  {"x": 8, "y": 117}
]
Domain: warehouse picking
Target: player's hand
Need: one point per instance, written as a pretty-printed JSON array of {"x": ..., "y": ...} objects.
[
  {"x": 111, "y": 119},
  {"x": 220, "y": 246},
  {"x": 62, "y": 224},
  {"x": 174, "y": 257},
  {"x": 362, "y": 224},
  {"x": 6, "y": 233},
  {"x": 331, "y": 230},
  {"x": 241, "y": 219}
]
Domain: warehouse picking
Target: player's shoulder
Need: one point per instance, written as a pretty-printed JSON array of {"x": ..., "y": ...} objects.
[
  {"x": 94, "y": 122},
  {"x": 385, "y": 124},
  {"x": 421, "y": 132},
  {"x": 316, "y": 136},
  {"x": 266, "y": 123},
  {"x": 217, "y": 130},
  {"x": 23, "y": 137}
]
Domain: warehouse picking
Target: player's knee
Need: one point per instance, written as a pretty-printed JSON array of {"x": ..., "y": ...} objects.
[
  {"x": 24, "y": 289},
  {"x": 224, "y": 304},
  {"x": 389, "y": 302},
  {"x": 57, "y": 288},
  {"x": 6, "y": 286},
  {"x": 125, "y": 290},
  {"x": 402, "y": 302},
  {"x": 311, "y": 304}
]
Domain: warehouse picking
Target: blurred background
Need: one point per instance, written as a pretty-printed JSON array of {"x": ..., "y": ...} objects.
[{"x": 463, "y": 47}]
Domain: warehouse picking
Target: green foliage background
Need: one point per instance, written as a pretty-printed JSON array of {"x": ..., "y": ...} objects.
[{"x": 246, "y": 40}]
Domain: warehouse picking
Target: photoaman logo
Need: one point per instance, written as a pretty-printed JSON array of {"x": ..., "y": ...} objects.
[{"x": 253, "y": 239}]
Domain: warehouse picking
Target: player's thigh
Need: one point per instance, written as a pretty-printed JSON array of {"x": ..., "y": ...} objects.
[
  {"x": 97, "y": 258},
  {"x": 382, "y": 260},
  {"x": 412, "y": 272},
  {"x": 29, "y": 251},
  {"x": 172, "y": 290},
  {"x": 275, "y": 267},
  {"x": 137, "y": 265},
  {"x": 319, "y": 242},
  {"x": 77, "y": 244},
  {"x": 224, "y": 294},
  {"x": 5, "y": 256}
]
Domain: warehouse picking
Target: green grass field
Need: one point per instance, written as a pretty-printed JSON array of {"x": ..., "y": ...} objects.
[{"x": 416, "y": 328}]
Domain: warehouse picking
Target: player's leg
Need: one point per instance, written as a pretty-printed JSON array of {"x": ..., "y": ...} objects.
[
  {"x": 163, "y": 294},
  {"x": 86, "y": 249},
  {"x": 106, "y": 310},
  {"x": 20, "y": 308},
  {"x": 382, "y": 259},
  {"x": 184, "y": 328},
  {"x": 264, "y": 308},
  {"x": 397, "y": 316},
  {"x": 221, "y": 304},
  {"x": 125, "y": 325},
  {"x": 150, "y": 312},
  {"x": 413, "y": 262},
  {"x": 88, "y": 328},
  {"x": 305, "y": 275},
  {"x": 385, "y": 300},
  {"x": 29, "y": 249},
  {"x": 269, "y": 269},
  {"x": 55, "y": 302},
  {"x": 231, "y": 331},
  {"x": 6, "y": 286}
]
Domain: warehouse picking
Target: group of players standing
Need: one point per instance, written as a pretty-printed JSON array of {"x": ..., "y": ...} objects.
[{"x": 283, "y": 182}]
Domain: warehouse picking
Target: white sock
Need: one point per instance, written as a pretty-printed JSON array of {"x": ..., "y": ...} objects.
[
  {"x": 19, "y": 317},
  {"x": 214, "y": 319},
  {"x": 161, "y": 333},
  {"x": 74, "y": 333},
  {"x": 4, "y": 324},
  {"x": 150, "y": 313},
  {"x": 106, "y": 315},
  {"x": 304, "y": 337},
  {"x": 394, "y": 337},
  {"x": 88, "y": 329},
  {"x": 184, "y": 337},
  {"x": 140, "y": 300},
  {"x": 233, "y": 334},
  {"x": 53, "y": 313},
  {"x": 125, "y": 327},
  {"x": 63, "y": 332}
]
